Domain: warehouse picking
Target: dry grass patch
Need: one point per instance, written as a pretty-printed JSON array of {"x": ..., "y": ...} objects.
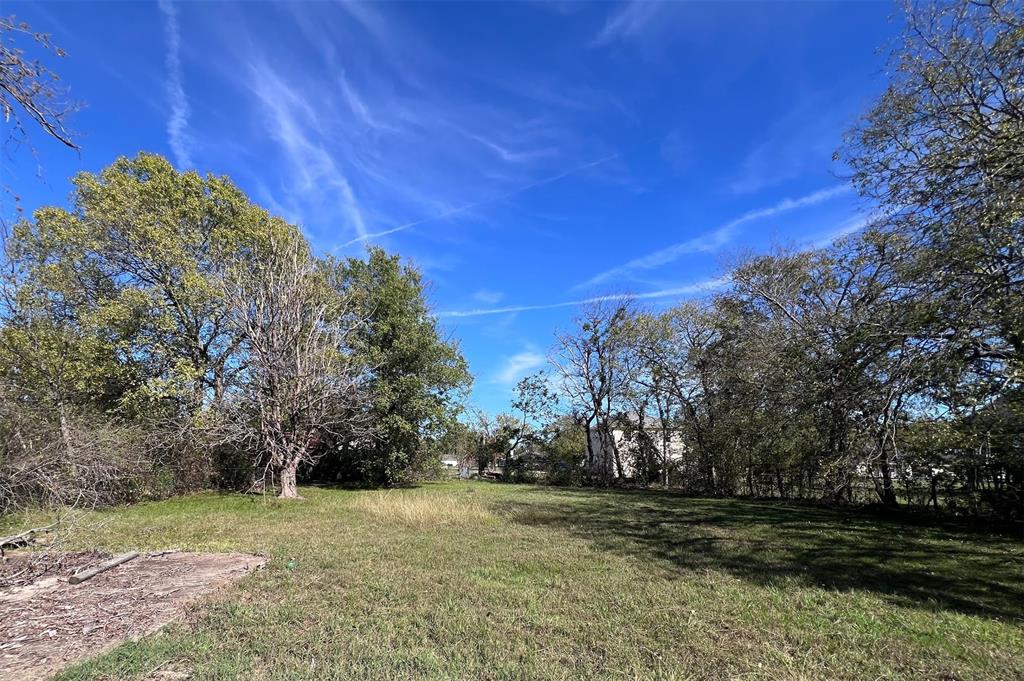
[{"x": 417, "y": 509}]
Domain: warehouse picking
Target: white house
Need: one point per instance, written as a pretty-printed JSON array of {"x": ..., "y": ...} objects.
[{"x": 600, "y": 456}]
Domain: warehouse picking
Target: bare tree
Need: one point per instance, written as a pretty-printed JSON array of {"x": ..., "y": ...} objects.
[
  {"x": 652, "y": 378},
  {"x": 29, "y": 88},
  {"x": 589, "y": 363},
  {"x": 535, "y": 402},
  {"x": 300, "y": 382}
]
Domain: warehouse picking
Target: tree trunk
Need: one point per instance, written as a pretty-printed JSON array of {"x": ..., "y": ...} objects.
[
  {"x": 289, "y": 484},
  {"x": 665, "y": 460},
  {"x": 888, "y": 494},
  {"x": 65, "y": 433},
  {"x": 619, "y": 471},
  {"x": 218, "y": 389}
]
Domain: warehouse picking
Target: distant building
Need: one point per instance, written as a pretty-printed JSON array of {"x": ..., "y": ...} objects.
[
  {"x": 669, "y": 445},
  {"x": 468, "y": 468}
]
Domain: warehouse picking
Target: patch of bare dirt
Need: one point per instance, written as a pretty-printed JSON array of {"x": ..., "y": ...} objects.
[
  {"x": 47, "y": 624},
  {"x": 22, "y": 569}
]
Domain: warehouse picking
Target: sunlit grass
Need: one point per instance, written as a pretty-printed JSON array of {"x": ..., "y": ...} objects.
[
  {"x": 487, "y": 581},
  {"x": 417, "y": 509}
]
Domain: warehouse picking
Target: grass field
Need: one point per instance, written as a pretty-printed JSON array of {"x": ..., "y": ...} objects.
[{"x": 478, "y": 580}]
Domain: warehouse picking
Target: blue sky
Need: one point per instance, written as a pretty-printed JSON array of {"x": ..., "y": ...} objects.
[{"x": 525, "y": 156}]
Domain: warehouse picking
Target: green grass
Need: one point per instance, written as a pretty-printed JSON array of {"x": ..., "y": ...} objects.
[{"x": 484, "y": 581}]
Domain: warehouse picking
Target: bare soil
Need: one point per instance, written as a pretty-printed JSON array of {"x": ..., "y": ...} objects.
[{"x": 47, "y": 624}]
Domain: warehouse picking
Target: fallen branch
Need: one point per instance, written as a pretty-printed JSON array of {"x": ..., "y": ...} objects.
[
  {"x": 80, "y": 577},
  {"x": 21, "y": 539}
]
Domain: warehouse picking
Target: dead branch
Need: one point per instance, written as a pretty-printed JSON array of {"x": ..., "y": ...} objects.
[
  {"x": 80, "y": 577},
  {"x": 21, "y": 539}
]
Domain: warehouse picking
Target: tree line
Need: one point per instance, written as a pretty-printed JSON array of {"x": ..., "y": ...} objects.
[
  {"x": 166, "y": 333},
  {"x": 887, "y": 367}
]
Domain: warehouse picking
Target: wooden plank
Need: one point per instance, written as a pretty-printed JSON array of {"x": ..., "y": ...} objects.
[{"x": 80, "y": 577}]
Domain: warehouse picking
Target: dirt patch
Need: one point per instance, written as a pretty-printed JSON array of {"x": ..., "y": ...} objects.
[
  {"x": 46, "y": 623},
  {"x": 24, "y": 569}
]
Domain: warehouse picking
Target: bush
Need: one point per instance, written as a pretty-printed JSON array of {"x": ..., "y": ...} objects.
[{"x": 88, "y": 461}]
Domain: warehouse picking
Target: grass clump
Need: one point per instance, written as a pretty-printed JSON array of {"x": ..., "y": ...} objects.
[{"x": 418, "y": 509}]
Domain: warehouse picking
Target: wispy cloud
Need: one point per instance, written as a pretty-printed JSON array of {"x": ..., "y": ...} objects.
[
  {"x": 488, "y": 297},
  {"x": 696, "y": 288},
  {"x": 628, "y": 21},
  {"x": 294, "y": 125},
  {"x": 518, "y": 365},
  {"x": 801, "y": 141},
  {"x": 485, "y": 202},
  {"x": 713, "y": 240},
  {"x": 374, "y": 24},
  {"x": 367, "y": 129},
  {"x": 178, "y": 135},
  {"x": 849, "y": 227},
  {"x": 358, "y": 106},
  {"x": 510, "y": 155}
]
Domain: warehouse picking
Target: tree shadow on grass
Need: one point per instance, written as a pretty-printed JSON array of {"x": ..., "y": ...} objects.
[{"x": 909, "y": 564}]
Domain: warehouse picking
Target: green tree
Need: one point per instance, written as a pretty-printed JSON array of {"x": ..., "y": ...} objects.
[
  {"x": 113, "y": 312},
  {"x": 942, "y": 152},
  {"x": 416, "y": 377},
  {"x": 564, "y": 448},
  {"x": 135, "y": 263}
]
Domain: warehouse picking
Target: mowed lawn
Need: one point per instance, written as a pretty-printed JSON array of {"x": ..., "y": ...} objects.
[{"x": 487, "y": 581}]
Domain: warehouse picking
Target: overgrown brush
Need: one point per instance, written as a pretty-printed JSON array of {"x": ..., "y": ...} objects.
[{"x": 86, "y": 461}]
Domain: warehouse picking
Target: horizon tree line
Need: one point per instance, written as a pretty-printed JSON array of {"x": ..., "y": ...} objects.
[
  {"x": 165, "y": 332},
  {"x": 887, "y": 366}
]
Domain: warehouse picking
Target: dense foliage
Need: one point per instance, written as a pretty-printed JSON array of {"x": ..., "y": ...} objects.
[
  {"x": 416, "y": 377},
  {"x": 887, "y": 367},
  {"x": 198, "y": 334}
]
